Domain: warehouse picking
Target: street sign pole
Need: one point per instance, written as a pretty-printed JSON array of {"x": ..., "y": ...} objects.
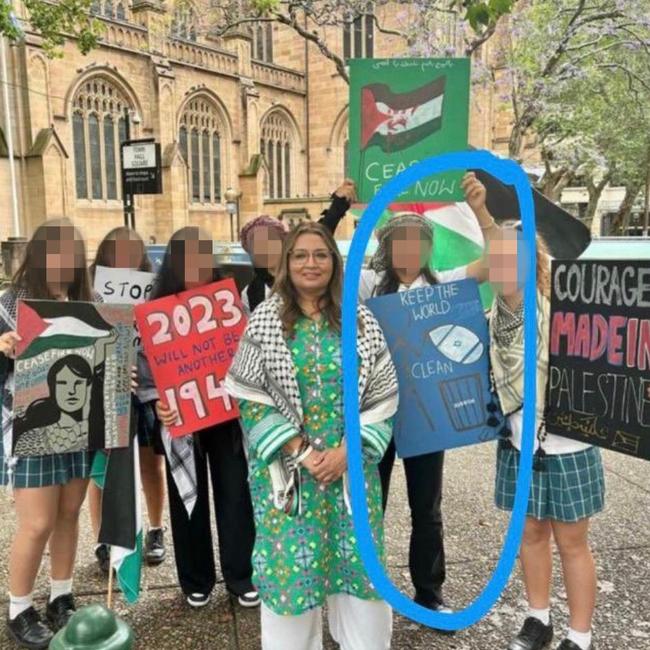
[{"x": 141, "y": 173}]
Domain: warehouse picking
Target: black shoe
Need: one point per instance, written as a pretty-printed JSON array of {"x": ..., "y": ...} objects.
[
  {"x": 197, "y": 600},
  {"x": 29, "y": 631},
  {"x": 438, "y": 606},
  {"x": 249, "y": 599},
  {"x": 59, "y": 611},
  {"x": 534, "y": 635},
  {"x": 570, "y": 645},
  {"x": 154, "y": 547},
  {"x": 103, "y": 555}
]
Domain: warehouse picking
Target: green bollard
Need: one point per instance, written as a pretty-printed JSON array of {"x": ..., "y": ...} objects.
[{"x": 94, "y": 627}]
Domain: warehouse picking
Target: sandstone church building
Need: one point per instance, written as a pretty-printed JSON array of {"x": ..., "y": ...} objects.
[{"x": 259, "y": 111}]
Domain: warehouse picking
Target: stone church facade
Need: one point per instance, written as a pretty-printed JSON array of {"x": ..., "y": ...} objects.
[{"x": 259, "y": 111}]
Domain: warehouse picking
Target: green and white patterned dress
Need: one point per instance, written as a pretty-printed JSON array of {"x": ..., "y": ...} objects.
[{"x": 300, "y": 560}]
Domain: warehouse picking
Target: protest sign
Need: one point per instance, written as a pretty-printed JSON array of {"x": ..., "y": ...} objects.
[
  {"x": 403, "y": 111},
  {"x": 124, "y": 286},
  {"x": 190, "y": 340},
  {"x": 438, "y": 338},
  {"x": 598, "y": 388},
  {"x": 72, "y": 377}
]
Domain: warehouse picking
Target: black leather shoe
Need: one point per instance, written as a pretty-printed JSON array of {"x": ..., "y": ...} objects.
[
  {"x": 59, "y": 611},
  {"x": 29, "y": 631},
  {"x": 570, "y": 645},
  {"x": 534, "y": 635},
  {"x": 103, "y": 555}
]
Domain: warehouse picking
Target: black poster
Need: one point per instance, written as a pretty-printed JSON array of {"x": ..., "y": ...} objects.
[{"x": 599, "y": 368}]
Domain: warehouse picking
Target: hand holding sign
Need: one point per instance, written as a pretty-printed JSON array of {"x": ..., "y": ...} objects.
[{"x": 190, "y": 340}]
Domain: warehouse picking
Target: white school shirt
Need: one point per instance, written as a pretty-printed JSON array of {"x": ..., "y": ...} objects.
[
  {"x": 370, "y": 281},
  {"x": 553, "y": 445}
]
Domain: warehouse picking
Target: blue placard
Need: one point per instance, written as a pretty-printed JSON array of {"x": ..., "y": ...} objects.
[{"x": 438, "y": 339}]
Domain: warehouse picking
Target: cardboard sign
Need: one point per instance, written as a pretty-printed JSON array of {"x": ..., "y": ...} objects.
[
  {"x": 72, "y": 377},
  {"x": 598, "y": 388},
  {"x": 190, "y": 340},
  {"x": 438, "y": 339},
  {"x": 403, "y": 111},
  {"x": 124, "y": 286}
]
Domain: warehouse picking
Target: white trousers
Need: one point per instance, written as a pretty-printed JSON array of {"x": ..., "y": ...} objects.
[{"x": 355, "y": 624}]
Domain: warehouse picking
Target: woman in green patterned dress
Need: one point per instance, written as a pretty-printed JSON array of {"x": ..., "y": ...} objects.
[{"x": 288, "y": 379}]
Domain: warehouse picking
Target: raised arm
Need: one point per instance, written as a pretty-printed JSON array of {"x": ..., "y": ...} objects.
[
  {"x": 475, "y": 196},
  {"x": 342, "y": 199}
]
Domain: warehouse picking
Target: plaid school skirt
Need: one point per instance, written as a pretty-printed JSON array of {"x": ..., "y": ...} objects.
[
  {"x": 44, "y": 471},
  {"x": 571, "y": 487}
]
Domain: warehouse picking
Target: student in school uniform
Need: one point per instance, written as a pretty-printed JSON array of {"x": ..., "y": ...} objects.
[
  {"x": 123, "y": 248},
  {"x": 216, "y": 452},
  {"x": 48, "y": 490},
  {"x": 401, "y": 263},
  {"x": 262, "y": 239},
  {"x": 568, "y": 486}
]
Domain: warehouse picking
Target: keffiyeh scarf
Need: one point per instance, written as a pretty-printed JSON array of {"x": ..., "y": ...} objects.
[
  {"x": 381, "y": 259},
  {"x": 507, "y": 354},
  {"x": 263, "y": 371}
]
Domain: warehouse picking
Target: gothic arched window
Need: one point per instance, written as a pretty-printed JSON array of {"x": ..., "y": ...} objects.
[
  {"x": 277, "y": 146},
  {"x": 99, "y": 125},
  {"x": 201, "y": 141}
]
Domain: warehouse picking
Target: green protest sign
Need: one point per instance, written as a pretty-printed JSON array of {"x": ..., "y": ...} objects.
[{"x": 403, "y": 111}]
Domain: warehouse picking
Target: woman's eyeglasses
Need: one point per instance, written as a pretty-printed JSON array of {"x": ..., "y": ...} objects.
[{"x": 301, "y": 257}]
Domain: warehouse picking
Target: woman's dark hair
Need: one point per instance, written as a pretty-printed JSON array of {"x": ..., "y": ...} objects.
[
  {"x": 45, "y": 412},
  {"x": 32, "y": 275},
  {"x": 390, "y": 282},
  {"x": 169, "y": 279},
  {"x": 105, "y": 255}
]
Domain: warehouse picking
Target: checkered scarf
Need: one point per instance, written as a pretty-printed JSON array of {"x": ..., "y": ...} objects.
[
  {"x": 263, "y": 371},
  {"x": 507, "y": 354},
  {"x": 381, "y": 259}
]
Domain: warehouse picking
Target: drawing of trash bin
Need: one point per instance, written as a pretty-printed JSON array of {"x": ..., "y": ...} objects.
[{"x": 464, "y": 401}]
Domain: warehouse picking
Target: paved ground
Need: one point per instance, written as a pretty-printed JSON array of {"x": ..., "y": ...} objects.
[{"x": 474, "y": 530}]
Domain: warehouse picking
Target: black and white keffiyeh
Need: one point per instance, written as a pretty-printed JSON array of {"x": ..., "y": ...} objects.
[{"x": 263, "y": 371}]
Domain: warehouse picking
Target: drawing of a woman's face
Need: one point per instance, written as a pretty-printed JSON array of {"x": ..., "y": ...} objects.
[{"x": 71, "y": 391}]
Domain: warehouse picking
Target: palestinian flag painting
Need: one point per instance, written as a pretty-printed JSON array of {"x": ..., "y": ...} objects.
[
  {"x": 72, "y": 377},
  {"x": 396, "y": 121},
  {"x": 403, "y": 111}
]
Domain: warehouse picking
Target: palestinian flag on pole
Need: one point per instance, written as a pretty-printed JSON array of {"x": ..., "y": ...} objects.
[
  {"x": 45, "y": 324},
  {"x": 457, "y": 237},
  {"x": 117, "y": 473},
  {"x": 395, "y": 121}
]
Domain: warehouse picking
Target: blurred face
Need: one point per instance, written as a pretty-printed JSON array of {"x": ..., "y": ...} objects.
[
  {"x": 409, "y": 250},
  {"x": 195, "y": 261},
  {"x": 310, "y": 265},
  {"x": 266, "y": 248},
  {"x": 506, "y": 270},
  {"x": 126, "y": 252},
  {"x": 63, "y": 256},
  {"x": 71, "y": 391}
]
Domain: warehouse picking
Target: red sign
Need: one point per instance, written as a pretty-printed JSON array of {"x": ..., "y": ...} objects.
[{"x": 190, "y": 340}]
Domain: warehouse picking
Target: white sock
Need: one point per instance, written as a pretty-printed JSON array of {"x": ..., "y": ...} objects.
[
  {"x": 543, "y": 615},
  {"x": 581, "y": 639},
  {"x": 60, "y": 588},
  {"x": 18, "y": 604}
]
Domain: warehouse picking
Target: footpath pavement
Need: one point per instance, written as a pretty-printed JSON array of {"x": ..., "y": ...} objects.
[{"x": 474, "y": 535}]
